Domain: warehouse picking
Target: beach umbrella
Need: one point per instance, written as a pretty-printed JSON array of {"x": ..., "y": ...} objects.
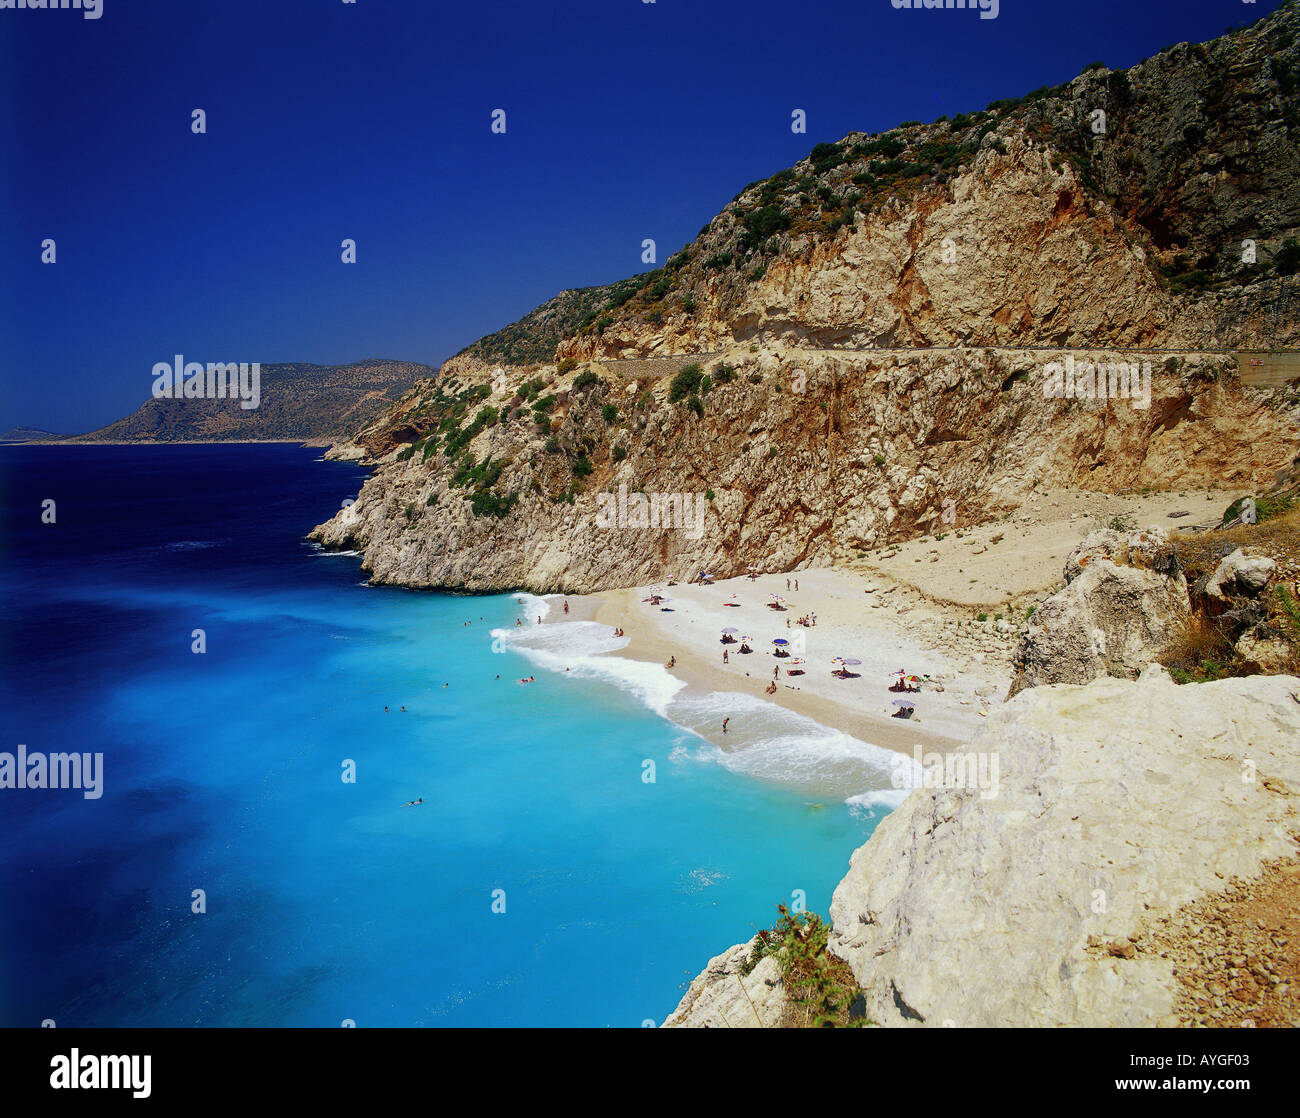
[
  {"x": 913, "y": 679},
  {"x": 781, "y": 641},
  {"x": 849, "y": 660},
  {"x": 729, "y": 629},
  {"x": 906, "y": 704}
]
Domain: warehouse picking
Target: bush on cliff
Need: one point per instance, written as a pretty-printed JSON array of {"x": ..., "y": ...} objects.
[
  {"x": 685, "y": 383},
  {"x": 820, "y": 989}
]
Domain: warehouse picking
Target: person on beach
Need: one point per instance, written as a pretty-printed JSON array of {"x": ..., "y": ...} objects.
[
  {"x": 566, "y": 607},
  {"x": 796, "y": 584},
  {"x": 787, "y": 584},
  {"x": 672, "y": 662},
  {"x": 770, "y": 689},
  {"x": 539, "y": 619},
  {"x": 724, "y": 724},
  {"x": 725, "y": 659},
  {"x": 776, "y": 672}
]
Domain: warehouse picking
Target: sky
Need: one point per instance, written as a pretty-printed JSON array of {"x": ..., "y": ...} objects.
[{"x": 372, "y": 121}]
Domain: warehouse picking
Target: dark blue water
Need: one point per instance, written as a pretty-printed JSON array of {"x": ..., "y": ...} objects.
[{"x": 327, "y": 900}]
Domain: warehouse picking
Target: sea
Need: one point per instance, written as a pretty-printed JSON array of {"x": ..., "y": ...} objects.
[{"x": 265, "y": 716}]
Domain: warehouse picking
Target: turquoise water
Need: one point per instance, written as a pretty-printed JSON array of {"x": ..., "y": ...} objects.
[{"x": 325, "y": 900}]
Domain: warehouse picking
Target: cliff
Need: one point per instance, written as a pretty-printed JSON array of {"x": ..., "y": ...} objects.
[
  {"x": 859, "y": 347},
  {"x": 1121, "y": 858}
]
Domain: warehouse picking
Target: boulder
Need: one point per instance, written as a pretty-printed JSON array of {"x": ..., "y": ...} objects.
[
  {"x": 1263, "y": 650},
  {"x": 1239, "y": 573},
  {"x": 1124, "y": 600}
]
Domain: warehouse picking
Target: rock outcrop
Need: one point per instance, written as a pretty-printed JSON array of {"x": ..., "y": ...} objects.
[
  {"x": 724, "y": 997},
  {"x": 1117, "y": 805},
  {"x": 1124, "y": 601}
]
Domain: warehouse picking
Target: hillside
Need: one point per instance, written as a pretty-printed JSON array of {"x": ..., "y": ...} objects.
[
  {"x": 297, "y": 401},
  {"x": 27, "y": 435},
  {"x": 864, "y": 340},
  {"x": 534, "y": 337}
]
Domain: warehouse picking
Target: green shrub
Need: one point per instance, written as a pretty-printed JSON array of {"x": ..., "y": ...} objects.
[
  {"x": 405, "y": 452},
  {"x": 566, "y": 366},
  {"x": 486, "y": 503},
  {"x": 826, "y": 157},
  {"x": 709, "y": 495},
  {"x": 584, "y": 378},
  {"x": 582, "y": 466},
  {"x": 723, "y": 374},
  {"x": 880, "y": 459},
  {"x": 718, "y": 261},
  {"x": 618, "y": 453},
  {"x": 765, "y": 221},
  {"x": 695, "y": 404},
  {"x": 431, "y": 499},
  {"x": 821, "y": 991},
  {"x": 609, "y": 413},
  {"x": 552, "y": 445},
  {"x": 685, "y": 382}
]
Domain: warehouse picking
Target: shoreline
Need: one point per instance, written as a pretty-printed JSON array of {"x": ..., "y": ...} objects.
[{"x": 951, "y": 704}]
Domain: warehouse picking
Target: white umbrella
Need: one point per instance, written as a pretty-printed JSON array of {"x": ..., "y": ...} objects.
[
  {"x": 730, "y": 630},
  {"x": 906, "y": 703}
]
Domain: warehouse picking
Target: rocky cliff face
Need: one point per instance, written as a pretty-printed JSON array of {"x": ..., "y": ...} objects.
[
  {"x": 1054, "y": 900},
  {"x": 881, "y": 323}
]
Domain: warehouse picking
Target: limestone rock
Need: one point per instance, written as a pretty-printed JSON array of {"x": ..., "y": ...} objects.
[
  {"x": 1123, "y": 601},
  {"x": 1116, "y": 804},
  {"x": 1240, "y": 574},
  {"x": 720, "y": 998},
  {"x": 1266, "y": 654}
]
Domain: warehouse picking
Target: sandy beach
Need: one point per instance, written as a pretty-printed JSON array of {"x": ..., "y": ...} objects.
[{"x": 946, "y": 608}]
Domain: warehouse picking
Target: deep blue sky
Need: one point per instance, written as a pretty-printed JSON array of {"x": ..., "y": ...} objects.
[{"x": 371, "y": 120}]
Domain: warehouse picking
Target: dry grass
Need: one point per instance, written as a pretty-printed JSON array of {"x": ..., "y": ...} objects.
[{"x": 1199, "y": 652}]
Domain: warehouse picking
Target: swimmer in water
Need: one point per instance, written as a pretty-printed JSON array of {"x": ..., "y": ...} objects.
[{"x": 413, "y": 803}]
